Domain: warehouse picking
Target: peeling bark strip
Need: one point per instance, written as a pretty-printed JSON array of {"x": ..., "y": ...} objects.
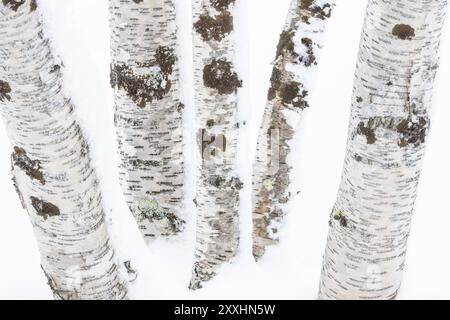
[
  {"x": 148, "y": 116},
  {"x": 296, "y": 57},
  {"x": 216, "y": 84},
  {"x": 56, "y": 184},
  {"x": 389, "y": 122}
]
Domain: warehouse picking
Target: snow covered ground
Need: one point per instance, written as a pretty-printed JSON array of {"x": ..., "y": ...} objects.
[{"x": 80, "y": 34}]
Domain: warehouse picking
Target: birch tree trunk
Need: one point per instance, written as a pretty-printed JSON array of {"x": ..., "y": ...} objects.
[
  {"x": 50, "y": 162},
  {"x": 216, "y": 85},
  {"x": 148, "y": 112},
  {"x": 294, "y": 66},
  {"x": 389, "y": 123}
]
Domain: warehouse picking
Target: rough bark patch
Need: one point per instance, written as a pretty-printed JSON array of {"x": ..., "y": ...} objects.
[
  {"x": 368, "y": 131},
  {"x": 403, "y": 31},
  {"x": 5, "y": 91},
  {"x": 286, "y": 44},
  {"x": 151, "y": 210},
  {"x": 33, "y": 5},
  {"x": 216, "y": 28},
  {"x": 413, "y": 131},
  {"x": 219, "y": 75},
  {"x": 290, "y": 93},
  {"x": 32, "y": 168},
  {"x": 13, "y": 4},
  {"x": 309, "y": 59},
  {"x": 221, "y": 4},
  {"x": 44, "y": 209},
  {"x": 308, "y": 9},
  {"x": 154, "y": 84}
]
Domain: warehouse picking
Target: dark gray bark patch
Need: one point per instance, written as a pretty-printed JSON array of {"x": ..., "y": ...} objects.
[
  {"x": 214, "y": 28},
  {"x": 13, "y": 4},
  {"x": 404, "y": 31},
  {"x": 286, "y": 44},
  {"x": 137, "y": 1},
  {"x": 32, "y": 168},
  {"x": 5, "y": 90},
  {"x": 219, "y": 75},
  {"x": 154, "y": 85},
  {"x": 220, "y": 182},
  {"x": 413, "y": 131},
  {"x": 308, "y": 9},
  {"x": 309, "y": 59},
  {"x": 221, "y": 4},
  {"x": 289, "y": 93},
  {"x": 33, "y": 5},
  {"x": 44, "y": 209},
  {"x": 368, "y": 131}
]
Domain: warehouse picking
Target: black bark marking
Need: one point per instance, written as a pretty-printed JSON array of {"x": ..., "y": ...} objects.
[
  {"x": 13, "y": 4},
  {"x": 149, "y": 86},
  {"x": 308, "y": 9},
  {"x": 403, "y": 31},
  {"x": 137, "y": 1},
  {"x": 44, "y": 209},
  {"x": 216, "y": 28},
  {"x": 5, "y": 90},
  {"x": 32, "y": 168},
  {"x": 219, "y": 75},
  {"x": 339, "y": 216},
  {"x": 220, "y": 5}
]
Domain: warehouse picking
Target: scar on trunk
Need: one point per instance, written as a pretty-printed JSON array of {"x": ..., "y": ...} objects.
[
  {"x": 219, "y": 75},
  {"x": 216, "y": 28},
  {"x": 145, "y": 87},
  {"x": 44, "y": 209},
  {"x": 5, "y": 90},
  {"x": 32, "y": 168},
  {"x": 404, "y": 31},
  {"x": 210, "y": 144}
]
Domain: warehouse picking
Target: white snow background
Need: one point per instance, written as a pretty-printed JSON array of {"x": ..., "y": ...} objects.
[{"x": 80, "y": 36}]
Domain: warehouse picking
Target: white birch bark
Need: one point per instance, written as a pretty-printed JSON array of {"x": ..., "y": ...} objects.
[
  {"x": 370, "y": 223},
  {"x": 294, "y": 67},
  {"x": 50, "y": 162},
  {"x": 148, "y": 112},
  {"x": 216, "y": 85}
]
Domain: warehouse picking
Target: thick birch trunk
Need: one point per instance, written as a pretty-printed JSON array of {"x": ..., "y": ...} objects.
[
  {"x": 294, "y": 66},
  {"x": 50, "y": 162},
  {"x": 370, "y": 223},
  {"x": 216, "y": 84},
  {"x": 148, "y": 117}
]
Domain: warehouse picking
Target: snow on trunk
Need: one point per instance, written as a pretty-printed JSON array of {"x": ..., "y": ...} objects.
[
  {"x": 291, "y": 81},
  {"x": 216, "y": 85},
  {"x": 148, "y": 112},
  {"x": 389, "y": 123},
  {"x": 51, "y": 167}
]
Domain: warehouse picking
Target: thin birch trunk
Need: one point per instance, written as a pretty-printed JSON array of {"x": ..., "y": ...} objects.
[
  {"x": 389, "y": 123},
  {"x": 216, "y": 84},
  {"x": 294, "y": 66},
  {"x": 50, "y": 162},
  {"x": 148, "y": 112}
]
